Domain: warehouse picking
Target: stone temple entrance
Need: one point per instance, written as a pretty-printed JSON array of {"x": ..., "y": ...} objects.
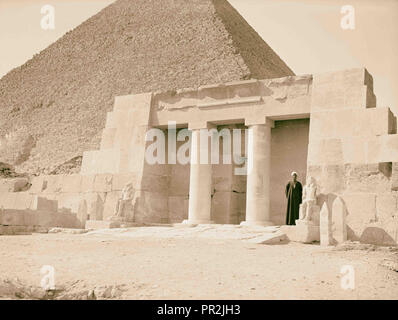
[{"x": 289, "y": 147}]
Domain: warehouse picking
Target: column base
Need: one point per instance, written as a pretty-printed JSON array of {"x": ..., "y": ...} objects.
[
  {"x": 257, "y": 223},
  {"x": 195, "y": 222}
]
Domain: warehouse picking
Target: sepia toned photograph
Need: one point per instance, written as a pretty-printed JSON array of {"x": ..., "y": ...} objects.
[{"x": 198, "y": 154}]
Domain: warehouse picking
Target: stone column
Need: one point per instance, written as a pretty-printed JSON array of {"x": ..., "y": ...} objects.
[
  {"x": 258, "y": 173},
  {"x": 200, "y": 178}
]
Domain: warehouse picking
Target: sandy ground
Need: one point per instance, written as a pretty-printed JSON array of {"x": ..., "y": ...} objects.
[{"x": 168, "y": 263}]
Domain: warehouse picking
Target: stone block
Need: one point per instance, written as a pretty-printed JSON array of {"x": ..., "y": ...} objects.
[
  {"x": 150, "y": 207},
  {"x": 394, "y": 177},
  {"x": 119, "y": 181},
  {"x": 23, "y": 201},
  {"x": 302, "y": 232},
  {"x": 69, "y": 202},
  {"x": 339, "y": 227},
  {"x": 341, "y": 89},
  {"x": 386, "y": 206},
  {"x": 108, "y": 138},
  {"x": 361, "y": 211},
  {"x": 44, "y": 204},
  {"x": 82, "y": 213},
  {"x": 110, "y": 121},
  {"x": 270, "y": 238},
  {"x": 7, "y": 200},
  {"x": 103, "y": 183},
  {"x": 100, "y": 161},
  {"x": 325, "y": 152},
  {"x": 110, "y": 204},
  {"x": 12, "y": 217},
  {"x": 14, "y": 185},
  {"x": 87, "y": 183},
  {"x": 221, "y": 206},
  {"x": 178, "y": 208},
  {"x": 95, "y": 205},
  {"x": 367, "y": 178},
  {"x": 54, "y": 183},
  {"x": 15, "y": 230},
  {"x": 325, "y": 225},
  {"x": 39, "y": 184},
  {"x": 222, "y": 183},
  {"x": 339, "y": 123},
  {"x": 179, "y": 180},
  {"x": 71, "y": 183},
  {"x": 155, "y": 183}
]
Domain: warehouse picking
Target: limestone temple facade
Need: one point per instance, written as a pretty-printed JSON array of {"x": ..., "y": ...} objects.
[{"x": 324, "y": 126}]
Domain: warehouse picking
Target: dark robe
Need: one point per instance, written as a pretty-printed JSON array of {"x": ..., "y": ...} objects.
[{"x": 294, "y": 198}]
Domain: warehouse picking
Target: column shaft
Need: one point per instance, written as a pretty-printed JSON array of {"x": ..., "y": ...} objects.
[
  {"x": 258, "y": 176},
  {"x": 200, "y": 184}
]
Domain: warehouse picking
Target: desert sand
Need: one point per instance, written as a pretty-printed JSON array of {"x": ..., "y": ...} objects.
[{"x": 190, "y": 263}]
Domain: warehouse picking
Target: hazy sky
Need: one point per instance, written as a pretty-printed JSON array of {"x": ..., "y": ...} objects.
[{"x": 305, "y": 33}]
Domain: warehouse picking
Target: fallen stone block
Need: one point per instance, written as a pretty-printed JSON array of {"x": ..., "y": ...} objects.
[
  {"x": 303, "y": 233},
  {"x": 270, "y": 238}
]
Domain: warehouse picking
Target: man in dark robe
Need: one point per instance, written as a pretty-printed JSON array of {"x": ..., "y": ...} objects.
[{"x": 293, "y": 193}]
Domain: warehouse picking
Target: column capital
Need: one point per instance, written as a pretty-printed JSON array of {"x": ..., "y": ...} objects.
[
  {"x": 252, "y": 121},
  {"x": 201, "y": 125}
]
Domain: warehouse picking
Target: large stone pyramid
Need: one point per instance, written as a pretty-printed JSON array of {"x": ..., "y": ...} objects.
[{"x": 54, "y": 106}]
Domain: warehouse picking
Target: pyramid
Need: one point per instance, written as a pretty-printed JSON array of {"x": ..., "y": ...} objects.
[{"x": 54, "y": 106}]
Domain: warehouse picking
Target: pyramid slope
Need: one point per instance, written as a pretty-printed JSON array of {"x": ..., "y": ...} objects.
[{"x": 55, "y": 104}]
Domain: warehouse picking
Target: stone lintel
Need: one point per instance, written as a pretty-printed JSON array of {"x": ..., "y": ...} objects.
[
  {"x": 201, "y": 125},
  {"x": 251, "y": 121}
]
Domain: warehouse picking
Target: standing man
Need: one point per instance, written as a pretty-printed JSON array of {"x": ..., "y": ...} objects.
[{"x": 293, "y": 193}]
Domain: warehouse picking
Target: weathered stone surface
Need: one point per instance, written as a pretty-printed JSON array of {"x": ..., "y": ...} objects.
[
  {"x": 44, "y": 204},
  {"x": 367, "y": 178},
  {"x": 87, "y": 183},
  {"x": 103, "y": 183},
  {"x": 7, "y": 200},
  {"x": 178, "y": 208},
  {"x": 342, "y": 89},
  {"x": 339, "y": 227},
  {"x": 386, "y": 206},
  {"x": 110, "y": 204},
  {"x": 71, "y": 183},
  {"x": 14, "y": 185},
  {"x": 394, "y": 177},
  {"x": 95, "y": 205},
  {"x": 82, "y": 213},
  {"x": 68, "y": 202},
  {"x": 54, "y": 184},
  {"x": 39, "y": 183},
  {"x": 23, "y": 201},
  {"x": 361, "y": 210},
  {"x": 179, "y": 180},
  {"x": 119, "y": 181}
]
